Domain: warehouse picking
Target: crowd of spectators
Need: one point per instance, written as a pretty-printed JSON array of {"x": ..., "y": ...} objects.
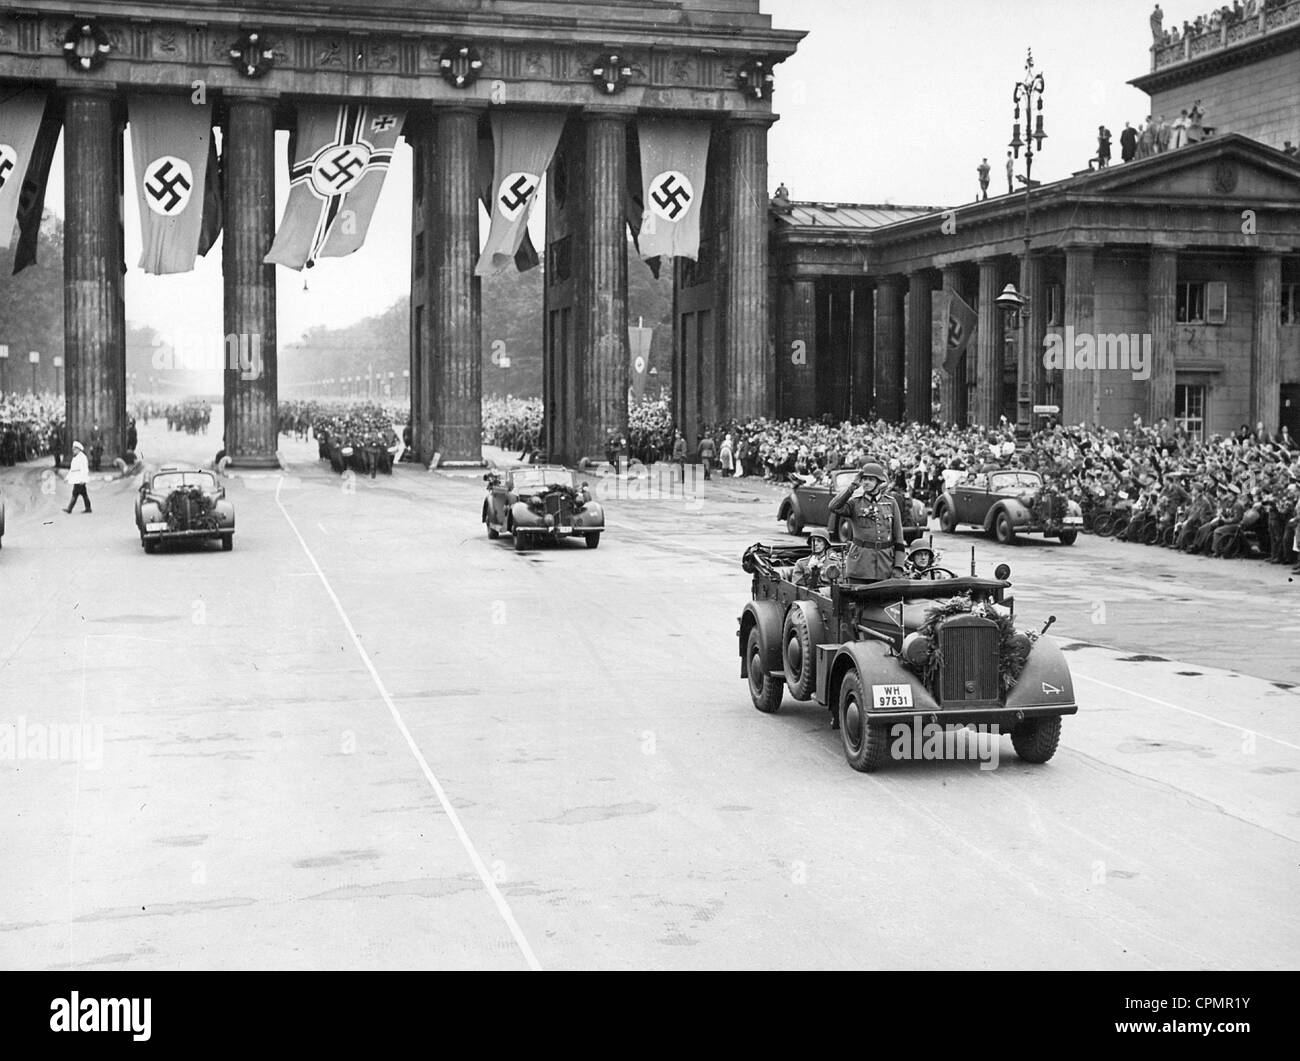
[{"x": 31, "y": 426}]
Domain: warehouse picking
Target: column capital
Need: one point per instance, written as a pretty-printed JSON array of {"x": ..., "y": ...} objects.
[
  {"x": 249, "y": 94},
  {"x": 86, "y": 88},
  {"x": 738, "y": 120},
  {"x": 890, "y": 279}
]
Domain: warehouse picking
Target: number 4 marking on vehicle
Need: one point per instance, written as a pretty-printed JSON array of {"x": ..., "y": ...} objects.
[{"x": 1051, "y": 688}]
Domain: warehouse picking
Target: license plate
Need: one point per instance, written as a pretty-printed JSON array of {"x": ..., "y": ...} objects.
[
  {"x": 566, "y": 530},
  {"x": 887, "y": 697},
  {"x": 1073, "y": 521},
  {"x": 151, "y": 527}
]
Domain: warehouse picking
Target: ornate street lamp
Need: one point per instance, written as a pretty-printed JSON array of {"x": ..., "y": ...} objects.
[{"x": 1030, "y": 93}]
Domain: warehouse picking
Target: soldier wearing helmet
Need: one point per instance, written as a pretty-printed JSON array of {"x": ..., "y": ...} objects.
[
  {"x": 809, "y": 571},
  {"x": 878, "y": 548}
]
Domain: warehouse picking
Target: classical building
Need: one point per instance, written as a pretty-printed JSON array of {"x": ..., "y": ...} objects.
[
  {"x": 1179, "y": 271},
  {"x": 448, "y": 65}
]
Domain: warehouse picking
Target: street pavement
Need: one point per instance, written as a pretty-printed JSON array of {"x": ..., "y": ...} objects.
[{"x": 369, "y": 737}]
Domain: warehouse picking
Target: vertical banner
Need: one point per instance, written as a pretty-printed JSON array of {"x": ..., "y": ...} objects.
[
  {"x": 523, "y": 145},
  {"x": 526, "y": 256},
  {"x": 213, "y": 211},
  {"x": 674, "y": 159},
  {"x": 337, "y": 162},
  {"x": 31, "y": 197},
  {"x": 638, "y": 344},
  {"x": 962, "y": 321},
  {"x": 170, "y": 141},
  {"x": 21, "y": 112}
]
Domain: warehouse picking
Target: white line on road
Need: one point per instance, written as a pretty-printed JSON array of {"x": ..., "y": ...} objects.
[
  {"x": 503, "y": 908},
  {"x": 1187, "y": 710}
]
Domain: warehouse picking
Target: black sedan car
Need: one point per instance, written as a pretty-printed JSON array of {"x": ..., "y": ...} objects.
[
  {"x": 808, "y": 505},
  {"x": 1007, "y": 503},
  {"x": 540, "y": 503}
]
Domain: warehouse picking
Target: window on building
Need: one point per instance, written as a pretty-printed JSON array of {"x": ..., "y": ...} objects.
[
  {"x": 1189, "y": 408},
  {"x": 1055, "y": 304},
  {"x": 1203, "y": 302},
  {"x": 1291, "y": 303}
]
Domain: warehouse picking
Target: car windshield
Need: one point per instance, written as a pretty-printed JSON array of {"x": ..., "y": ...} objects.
[
  {"x": 1014, "y": 482},
  {"x": 534, "y": 478},
  {"x": 842, "y": 479},
  {"x": 166, "y": 482}
]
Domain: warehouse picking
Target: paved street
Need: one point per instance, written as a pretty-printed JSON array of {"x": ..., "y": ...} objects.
[{"x": 372, "y": 738}]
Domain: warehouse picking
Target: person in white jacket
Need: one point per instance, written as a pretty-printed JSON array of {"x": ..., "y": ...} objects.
[{"x": 79, "y": 476}]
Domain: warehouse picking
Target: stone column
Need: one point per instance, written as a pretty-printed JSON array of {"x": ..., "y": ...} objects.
[
  {"x": 1162, "y": 299},
  {"x": 452, "y": 374},
  {"x": 797, "y": 355},
  {"x": 953, "y": 400},
  {"x": 986, "y": 400},
  {"x": 94, "y": 312},
  {"x": 600, "y": 285},
  {"x": 920, "y": 347},
  {"x": 252, "y": 416},
  {"x": 861, "y": 348},
  {"x": 1266, "y": 364},
  {"x": 1081, "y": 389},
  {"x": 744, "y": 300},
  {"x": 1034, "y": 277},
  {"x": 889, "y": 348}
]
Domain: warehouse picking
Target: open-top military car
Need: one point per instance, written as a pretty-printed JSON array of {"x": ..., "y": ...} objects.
[
  {"x": 179, "y": 504},
  {"x": 808, "y": 505},
  {"x": 899, "y": 651},
  {"x": 539, "y": 503},
  {"x": 1007, "y": 503}
]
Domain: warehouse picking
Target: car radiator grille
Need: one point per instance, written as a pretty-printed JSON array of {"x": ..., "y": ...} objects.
[
  {"x": 561, "y": 508},
  {"x": 970, "y": 649}
]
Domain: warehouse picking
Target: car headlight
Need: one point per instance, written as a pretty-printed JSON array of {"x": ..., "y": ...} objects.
[{"x": 916, "y": 649}]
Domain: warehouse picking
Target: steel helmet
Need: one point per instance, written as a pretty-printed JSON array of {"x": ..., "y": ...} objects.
[
  {"x": 875, "y": 470},
  {"x": 819, "y": 532}
]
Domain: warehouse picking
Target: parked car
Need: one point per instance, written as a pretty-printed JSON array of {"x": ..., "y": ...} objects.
[
  {"x": 183, "y": 504},
  {"x": 808, "y": 505},
  {"x": 882, "y": 654},
  {"x": 540, "y": 503},
  {"x": 1008, "y": 503}
]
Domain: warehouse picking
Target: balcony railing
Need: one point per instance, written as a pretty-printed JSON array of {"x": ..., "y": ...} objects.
[{"x": 1228, "y": 34}]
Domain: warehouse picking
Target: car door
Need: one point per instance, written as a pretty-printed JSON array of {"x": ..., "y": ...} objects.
[
  {"x": 814, "y": 502},
  {"x": 971, "y": 495}
]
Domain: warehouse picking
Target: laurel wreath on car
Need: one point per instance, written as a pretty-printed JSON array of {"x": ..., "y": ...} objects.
[{"x": 1013, "y": 645}]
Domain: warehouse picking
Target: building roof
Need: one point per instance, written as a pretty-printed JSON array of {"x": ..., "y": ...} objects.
[{"x": 848, "y": 215}]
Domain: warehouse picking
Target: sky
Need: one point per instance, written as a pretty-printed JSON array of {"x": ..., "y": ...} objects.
[{"x": 885, "y": 101}]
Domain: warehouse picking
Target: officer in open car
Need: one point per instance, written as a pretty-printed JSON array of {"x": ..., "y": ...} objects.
[{"x": 878, "y": 548}]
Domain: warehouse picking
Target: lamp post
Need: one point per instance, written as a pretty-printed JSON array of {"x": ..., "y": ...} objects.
[
  {"x": 4, "y": 366},
  {"x": 35, "y": 358},
  {"x": 406, "y": 382},
  {"x": 1030, "y": 93},
  {"x": 58, "y": 373}
]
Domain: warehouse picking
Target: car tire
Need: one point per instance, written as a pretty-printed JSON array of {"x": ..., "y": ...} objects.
[
  {"x": 793, "y": 524},
  {"x": 947, "y": 522},
  {"x": 493, "y": 533},
  {"x": 150, "y": 545},
  {"x": 1036, "y": 739},
  {"x": 593, "y": 540},
  {"x": 519, "y": 541},
  {"x": 1069, "y": 537},
  {"x": 1003, "y": 530},
  {"x": 798, "y": 655},
  {"x": 227, "y": 542},
  {"x": 766, "y": 690},
  {"x": 865, "y": 743}
]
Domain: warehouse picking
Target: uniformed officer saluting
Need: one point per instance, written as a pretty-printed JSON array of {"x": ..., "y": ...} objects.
[{"x": 878, "y": 548}]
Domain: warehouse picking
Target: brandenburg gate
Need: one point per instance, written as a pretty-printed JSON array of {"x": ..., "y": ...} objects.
[{"x": 455, "y": 68}]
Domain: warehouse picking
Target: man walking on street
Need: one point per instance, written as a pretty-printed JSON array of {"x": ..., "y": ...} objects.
[{"x": 79, "y": 476}]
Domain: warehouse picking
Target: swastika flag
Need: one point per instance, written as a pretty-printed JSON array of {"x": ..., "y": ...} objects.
[
  {"x": 170, "y": 140},
  {"x": 962, "y": 322},
  {"x": 20, "y": 118},
  {"x": 337, "y": 162},
  {"x": 674, "y": 158},
  {"x": 522, "y": 147}
]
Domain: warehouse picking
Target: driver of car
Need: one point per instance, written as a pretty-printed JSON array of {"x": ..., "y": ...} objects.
[{"x": 878, "y": 548}]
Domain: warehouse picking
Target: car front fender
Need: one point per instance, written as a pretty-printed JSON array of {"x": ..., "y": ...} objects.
[
  {"x": 225, "y": 512},
  {"x": 523, "y": 516},
  {"x": 1045, "y": 680},
  {"x": 767, "y": 615},
  {"x": 1016, "y": 512},
  {"x": 590, "y": 516},
  {"x": 876, "y": 666},
  {"x": 947, "y": 499}
]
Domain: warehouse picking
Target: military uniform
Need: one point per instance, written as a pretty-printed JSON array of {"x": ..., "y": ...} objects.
[{"x": 878, "y": 546}]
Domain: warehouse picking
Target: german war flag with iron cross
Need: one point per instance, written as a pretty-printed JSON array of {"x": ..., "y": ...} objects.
[
  {"x": 337, "y": 163},
  {"x": 171, "y": 138}
]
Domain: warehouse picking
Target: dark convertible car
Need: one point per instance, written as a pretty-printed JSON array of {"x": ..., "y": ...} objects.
[
  {"x": 541, "y": 502},
  {"x": 1007, "y": 503},
  {"x": 808, "y": 505},
  {"x": 177, "y": 504}
]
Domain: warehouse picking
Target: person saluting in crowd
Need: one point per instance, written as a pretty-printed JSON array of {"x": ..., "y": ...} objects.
[
  {"x": 878, "y": 547},
  {"x": 79, "y": 476}
]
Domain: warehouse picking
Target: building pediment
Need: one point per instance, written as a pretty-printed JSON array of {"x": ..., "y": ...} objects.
[{"x": 1230, "y": 168}]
